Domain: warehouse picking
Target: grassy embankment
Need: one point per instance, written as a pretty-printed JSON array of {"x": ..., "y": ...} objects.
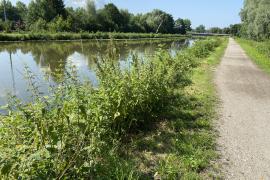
[
  {"x": 182, "y": 145},
  {"x": 78, "y": 36},
  {"x": 148, "y": 120},
  {"x": 259, "y": 52}
]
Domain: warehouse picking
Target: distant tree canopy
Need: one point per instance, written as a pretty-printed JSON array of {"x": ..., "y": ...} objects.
[
  {"x": 200, "y": 29},
  {"x": 45, "y": 9},
  {"x": 182, "y": 25},
  {"x": 256, "y": 19},
  {"x": 216, "y": 30},
  {"x": 52, "y": 15},
  {"x": 235, "y": 29}
]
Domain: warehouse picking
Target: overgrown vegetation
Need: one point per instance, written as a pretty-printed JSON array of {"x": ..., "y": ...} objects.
[
  {"x": 79, "y": 36},
  {"x": 259, "y": 52},
  {"x": 182, "y": 144},
  {"x": 79, "y": 131}
]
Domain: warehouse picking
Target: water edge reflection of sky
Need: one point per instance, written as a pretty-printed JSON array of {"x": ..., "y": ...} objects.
[{"x": 48, "y": 57}]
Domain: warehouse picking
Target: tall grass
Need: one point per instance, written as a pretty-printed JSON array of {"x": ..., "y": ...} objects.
[
  {"x": 259, "y": 52},
  {"x": 75, "y": 133},
  {"x": 79, "y": 36}
]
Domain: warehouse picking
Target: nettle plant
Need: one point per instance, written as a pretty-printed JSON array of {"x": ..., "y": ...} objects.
[{"x": 76, "y": 131}]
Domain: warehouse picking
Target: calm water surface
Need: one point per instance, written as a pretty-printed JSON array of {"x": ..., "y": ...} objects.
[{"x": 45, "y": 58}]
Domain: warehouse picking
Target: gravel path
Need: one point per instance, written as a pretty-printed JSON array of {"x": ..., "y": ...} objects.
[{"x": 244, "y": 124}]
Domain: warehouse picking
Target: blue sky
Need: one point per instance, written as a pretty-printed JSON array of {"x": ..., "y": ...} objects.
[{"x": 211, "y": 13}]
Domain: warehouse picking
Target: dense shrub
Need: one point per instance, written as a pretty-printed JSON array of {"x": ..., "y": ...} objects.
[
  {"x": 39, "y": 26},
  {"x": 59, "y": 24},
  {"x": 5, "y": 26},
  {"x": 75, "y": 132}
]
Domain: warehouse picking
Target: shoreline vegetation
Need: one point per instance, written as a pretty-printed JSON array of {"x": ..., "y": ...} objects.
[
  {"x": 9, "y": 37},
  {"x": 150, "y": 120}
]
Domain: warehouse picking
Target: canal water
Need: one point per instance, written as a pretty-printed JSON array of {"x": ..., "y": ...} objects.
[{"x": 45, "y": 59}]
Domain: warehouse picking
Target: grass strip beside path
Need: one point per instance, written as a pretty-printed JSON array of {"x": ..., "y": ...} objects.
[{"x": 259, "y": 52}]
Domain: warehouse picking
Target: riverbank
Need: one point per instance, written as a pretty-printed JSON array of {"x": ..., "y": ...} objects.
[
  {"x": 144, "y": 121},
  {"x": 83, "y": 36},
  {"x": 259, "y": 52},
  {"x": 183, "y": 144}
]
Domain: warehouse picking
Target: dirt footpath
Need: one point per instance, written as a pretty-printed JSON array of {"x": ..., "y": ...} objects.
[{"x": 244, "y": 123}]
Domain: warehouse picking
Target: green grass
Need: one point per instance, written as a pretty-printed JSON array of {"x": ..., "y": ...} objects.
[
  {"x": 182, "y": 145},
  {"x": 259, "y": 52},
  {"x": 28, "y": 36}
]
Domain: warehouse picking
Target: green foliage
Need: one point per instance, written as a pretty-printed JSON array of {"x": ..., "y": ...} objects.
[
  {"x": 39, "y": 33},
  {"x": 158, "y": 21},
  {"x": 59, "y": 24},
  {"x": 183, "y": 145},
  {"x": 77, "y": 130},
  {"x": 256, "y": 19},
  {"x": 45, "y": 9},
  {"x": 21, "y": 10},
  {"x": 39, "y": 26},
  {"x": 11, "y": 11},
  {"x": 259, "y": 52},
  {"x": 5, "y": 26},
  {"x": 182, "y": 26},
  {"x": 88, "y": 18},
  {"x": 200, "y": 29},
  {"x": 236, "y": 30},
  {"x": 202, "y": 49}
]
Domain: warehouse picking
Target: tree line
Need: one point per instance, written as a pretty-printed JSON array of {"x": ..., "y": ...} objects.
[{"x": 54, "y": 16}]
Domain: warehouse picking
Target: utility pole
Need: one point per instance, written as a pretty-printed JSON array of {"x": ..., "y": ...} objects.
[{"x": 5, "y": 14}]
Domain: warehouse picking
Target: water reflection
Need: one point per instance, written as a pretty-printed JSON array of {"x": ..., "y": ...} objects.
[{"x": 52, "y": 58}]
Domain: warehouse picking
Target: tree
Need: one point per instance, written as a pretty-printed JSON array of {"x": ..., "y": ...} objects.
[
  {"x": 158, "y": 21},
  {"x": 8, "y": 11},
  {"x": 45, "y": 9},
  {"x": 235, "y": 29},
  {"x": 256, "y": 19},
  {"x": 90, "y": 16},
  {"x": 226, "y": 30},
  {"x": 128, "y": 24},
  {"x": 59, "y": 24},
  {"x": 53, "y": 15},
  {"x": 187, "y": 24},
  {"x": 110, "y": 18},
  {"x": 200, "y": 29},
  {"x": 21, "y": 10},
  {"x": 78, "y": 18},
  {"x": 180, "y": 26}
]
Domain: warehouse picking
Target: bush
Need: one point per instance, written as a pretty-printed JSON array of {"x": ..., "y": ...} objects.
[
  {"x": 5, "y": 26},
  {"x": 39, "y": 26},
  {"x": 59, "y": 24},
  {"x": 76, "y": 131}
]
